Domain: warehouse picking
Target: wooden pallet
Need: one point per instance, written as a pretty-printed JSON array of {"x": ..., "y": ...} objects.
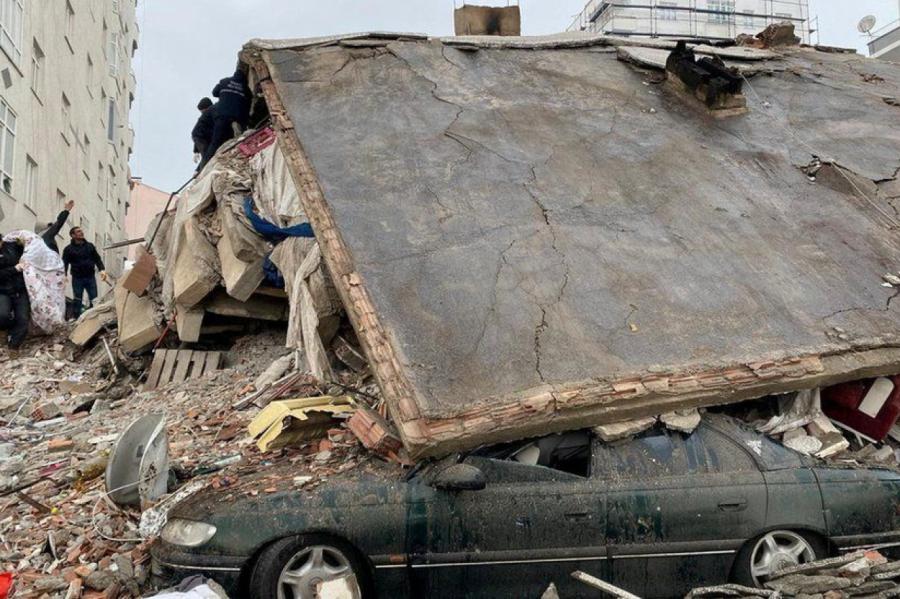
[{"x": 178, "y": 365}]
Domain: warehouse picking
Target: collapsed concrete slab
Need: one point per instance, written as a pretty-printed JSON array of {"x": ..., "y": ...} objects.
[
  {"x": 137, "y": 318},
  {"x": 196, "y": 269},
  {"x": 529, "y": 241}
]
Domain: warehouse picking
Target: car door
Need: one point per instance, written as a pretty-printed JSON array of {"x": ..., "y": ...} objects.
[
  {"x": 862, "y": 505},
  {"x": 679, "y": 507},
  {"x": 530, "y": 526}
]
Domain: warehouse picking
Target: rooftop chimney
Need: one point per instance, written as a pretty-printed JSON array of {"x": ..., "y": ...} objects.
[{"x": 487, "y": 20}]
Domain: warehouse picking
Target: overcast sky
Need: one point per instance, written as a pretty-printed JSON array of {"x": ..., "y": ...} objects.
[{"x": 186, "y": 47}]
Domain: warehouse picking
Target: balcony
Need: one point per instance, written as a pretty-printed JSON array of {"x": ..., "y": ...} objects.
[{"x": 886, "y": 43}]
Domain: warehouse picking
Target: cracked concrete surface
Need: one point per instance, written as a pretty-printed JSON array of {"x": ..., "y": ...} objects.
[{"x": 507, "y": 210}]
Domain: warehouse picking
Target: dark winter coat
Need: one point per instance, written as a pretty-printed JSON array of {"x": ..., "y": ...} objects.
[
  {"x": 203, "y": 130},
  {"x": 11, "y": 280},
  {"x": 49, "y": 236},
  {"x": 82, "y": 258},
  {"x": 234, "y": 98}
]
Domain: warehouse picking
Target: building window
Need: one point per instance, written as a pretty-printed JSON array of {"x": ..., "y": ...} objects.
[
  {"x": 7, "y": 145},
  {"x": 70, "y": 26},
  {"x": 111, "y": 187},
  {"x": 721, "y": 11},
  {"x": 101, "y": 183},
  {"x": 667, "y": 11},
  {"x": 37, "y": 69},
  {"x": 111, "y": 121},
  {"x": 86, "y": 150},
  {"x": 112, "y": 54},
  {"x": 115, "y": 6},
  {"x": 60, "y": 199},
  {"x": 31, "y": 177},
  {"x": 66, "y": 118},
  {"x": 11, "y": 25},
  {"x": 749, "y": 19},
  {"x": 89, "y": 76}
]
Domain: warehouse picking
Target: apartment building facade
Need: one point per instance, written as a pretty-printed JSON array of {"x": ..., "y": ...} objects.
[
  {"x": 66, "y": 89},
  {"x": 711, "y": 19}
]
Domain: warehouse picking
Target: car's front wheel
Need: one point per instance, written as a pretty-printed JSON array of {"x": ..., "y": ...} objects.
[
  {"x": 762, "y": 557},
  {"x": 308, "y": 567}
]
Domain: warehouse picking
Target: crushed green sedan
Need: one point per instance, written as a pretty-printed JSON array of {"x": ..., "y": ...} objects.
[{"x": 657, "y": 515}]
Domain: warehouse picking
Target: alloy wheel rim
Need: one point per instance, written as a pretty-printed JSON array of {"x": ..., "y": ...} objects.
[
  {"x": 777, "y": 551},
  {"x": 303, "y": 574}
]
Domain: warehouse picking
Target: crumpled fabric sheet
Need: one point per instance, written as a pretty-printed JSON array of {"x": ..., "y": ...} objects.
[
  {"x": 45, "y": 280},
  {"x": 200, "y": 592}
]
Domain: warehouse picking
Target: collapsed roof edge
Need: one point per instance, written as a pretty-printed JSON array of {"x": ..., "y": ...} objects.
[{"x": 548, "y": 408}]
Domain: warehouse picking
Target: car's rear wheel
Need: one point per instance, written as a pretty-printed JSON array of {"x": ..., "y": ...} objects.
[
  {"x": 774, "y": 551},
  {"x": 303, "y": 567}
]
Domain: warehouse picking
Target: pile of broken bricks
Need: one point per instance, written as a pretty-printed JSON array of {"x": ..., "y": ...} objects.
[
  {"x": 60, "y": 533},
  {"x": 863, "y": 574}
]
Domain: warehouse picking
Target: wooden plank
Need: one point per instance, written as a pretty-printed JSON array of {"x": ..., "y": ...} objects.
[
  {"x": 155, "y": 369},
  {"x": 213, "y": 359},
  {"x": 198, "y": 362},
  {"x": 598, "y": 584},
  {"x": 183, "y": 362},
  {"x": 169, "y": 365}
]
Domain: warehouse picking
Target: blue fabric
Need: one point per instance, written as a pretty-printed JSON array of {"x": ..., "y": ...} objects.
[
  {"x": 273, "y": 275},
  {"x": 79, "y": 286},
  {"x": 272, "y": 232}
]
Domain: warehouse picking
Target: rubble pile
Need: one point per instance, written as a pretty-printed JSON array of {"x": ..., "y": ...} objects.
[
  {"x": 59, "y": 421},
  {"x": 857, "y": 574}
]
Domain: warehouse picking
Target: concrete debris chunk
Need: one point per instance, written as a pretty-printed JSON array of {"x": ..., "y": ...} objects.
[
  {"x": 623, "y": 430},
  {"x": 777, "y": 35},
  {"x": 375, "y": 433},
  {"x": 92, "y": 323},
  {"x": 684, "y": 421},
  {"x": 804, "y": 444},
  {"x": 291, "y": 421}
]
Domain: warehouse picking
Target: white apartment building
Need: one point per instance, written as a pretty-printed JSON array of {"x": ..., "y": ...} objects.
[
  {"x": 66, "y": 89},
  {"x": 711, "y": 19}
]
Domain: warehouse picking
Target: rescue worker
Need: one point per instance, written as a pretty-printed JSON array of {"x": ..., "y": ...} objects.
[
  {"x": 203, "y": 130},
  {"x": 53, "y": 229},
  {"x": 231, "y": 113},
  {"x": 15, "y": 308},
  {"x": 84, "y": 260}
]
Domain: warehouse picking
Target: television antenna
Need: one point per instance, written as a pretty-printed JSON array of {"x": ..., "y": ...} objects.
[{"x": 866, "y": 24}]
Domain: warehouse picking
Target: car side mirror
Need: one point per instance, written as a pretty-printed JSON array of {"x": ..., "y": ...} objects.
[{"x": 460, "y": 477}]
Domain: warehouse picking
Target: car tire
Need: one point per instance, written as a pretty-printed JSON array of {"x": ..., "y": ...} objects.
[
  {"x": 787, "y": 541},
  {"x": 288, "y": 557}
]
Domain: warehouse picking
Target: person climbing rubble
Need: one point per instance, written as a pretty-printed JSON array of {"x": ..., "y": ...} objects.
[
  {"x": 203, "y": 129},
  {"x": 15, "y": 309},
  {"x": 231, "y": 113},
  {"x": 82, "y": 258},
  {"x": 51, "y": 230},
  {"x": 43, "y": 273}
]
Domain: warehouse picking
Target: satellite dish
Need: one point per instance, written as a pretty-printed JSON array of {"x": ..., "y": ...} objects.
[{"x": 866, "y": 24}]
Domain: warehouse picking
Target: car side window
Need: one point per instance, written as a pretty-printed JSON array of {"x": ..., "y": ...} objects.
[
  {"x": 773, "y": 455},
  {"x": 660, "y": 452},
  {"x": 554, "y": 457},
  {"x": 718, "y": 453},
  {"x": 652, "y": 454}
]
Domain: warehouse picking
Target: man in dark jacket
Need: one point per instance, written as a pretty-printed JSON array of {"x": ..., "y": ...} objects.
[
  {"x": 82, "y": 258},
  {"x": 15, "y": 309},
  {"x": 203, "y": 130},
  {"x": 232, "y": 109},
  {"x": 49, "y": 234}
]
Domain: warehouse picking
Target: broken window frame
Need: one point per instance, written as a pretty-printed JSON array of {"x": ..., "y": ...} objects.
[
  {"x": 12, "y": 25},
  {"x": 29, "y": 197},
  {"x": 7, "y": 146}
]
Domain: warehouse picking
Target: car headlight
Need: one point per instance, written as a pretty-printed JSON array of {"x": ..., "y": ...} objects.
[{"x": 187, "y": 533}]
